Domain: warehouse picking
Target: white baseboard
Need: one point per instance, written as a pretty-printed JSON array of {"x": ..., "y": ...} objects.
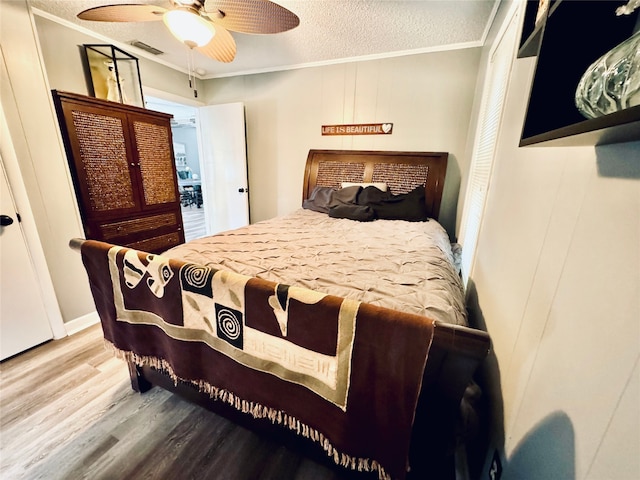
[{"x": 78, "y": 324}]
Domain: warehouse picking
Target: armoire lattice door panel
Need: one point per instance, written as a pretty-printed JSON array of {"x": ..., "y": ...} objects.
[
  {"x": 157, "y": 165},
  {"x": 103, "y": 160},
  {"x": 123, "y": 168}
]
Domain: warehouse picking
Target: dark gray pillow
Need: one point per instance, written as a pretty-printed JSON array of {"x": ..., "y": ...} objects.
[
  {"x": 371, "y": 194},
  {"x": 406, "y": 206},
  {"x": 360, "y": 213},
  {"x": 322, "y": 199},
  {"x": 319, "y": 199},
  {"x": 344, "y": 196}
]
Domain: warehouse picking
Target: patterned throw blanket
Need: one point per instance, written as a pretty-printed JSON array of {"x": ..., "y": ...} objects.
[{"x": 342, "y": 373}]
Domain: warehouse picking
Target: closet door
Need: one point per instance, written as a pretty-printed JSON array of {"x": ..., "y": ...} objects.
[{"x": 23, "y": 315}]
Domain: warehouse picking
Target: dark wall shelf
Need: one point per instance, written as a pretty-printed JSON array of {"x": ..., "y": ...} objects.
[{"x": 573, "y": 35}]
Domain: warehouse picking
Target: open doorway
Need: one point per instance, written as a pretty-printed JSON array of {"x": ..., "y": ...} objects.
[{"x": 188, "y": 163}]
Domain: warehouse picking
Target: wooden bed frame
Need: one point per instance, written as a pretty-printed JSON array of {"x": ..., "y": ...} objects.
[
  {"x": 401, "y": 171},
  {"x": 455, "y": 352}
]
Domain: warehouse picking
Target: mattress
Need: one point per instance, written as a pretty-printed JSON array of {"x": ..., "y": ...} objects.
[{"x": 406, "y": 266}]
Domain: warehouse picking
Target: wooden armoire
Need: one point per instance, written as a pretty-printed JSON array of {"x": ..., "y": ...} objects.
[{"x": 123, "y": 170}]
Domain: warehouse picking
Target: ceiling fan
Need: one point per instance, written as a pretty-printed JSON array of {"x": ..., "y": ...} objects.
[{"x": 203, "y": 25}]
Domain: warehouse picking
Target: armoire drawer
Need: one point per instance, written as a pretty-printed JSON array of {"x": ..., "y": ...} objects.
[
  {"x": 158, "y": 244},
  {"x": 135, "y": 226}
]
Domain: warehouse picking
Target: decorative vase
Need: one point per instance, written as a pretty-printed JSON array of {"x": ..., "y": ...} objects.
[{"x": 611, "y": 83}]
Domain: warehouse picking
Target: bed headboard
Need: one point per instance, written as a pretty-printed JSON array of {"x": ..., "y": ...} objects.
[{"x": 401, "y": 171}]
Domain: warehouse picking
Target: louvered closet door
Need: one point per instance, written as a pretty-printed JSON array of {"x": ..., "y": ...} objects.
[{"x": 486, "y": 142}]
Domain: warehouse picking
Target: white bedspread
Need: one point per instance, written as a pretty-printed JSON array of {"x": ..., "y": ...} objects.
[{"x": 405, "y": 266}]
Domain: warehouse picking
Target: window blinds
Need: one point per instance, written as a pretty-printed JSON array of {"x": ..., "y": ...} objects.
[{"x": 493, "y": 98}]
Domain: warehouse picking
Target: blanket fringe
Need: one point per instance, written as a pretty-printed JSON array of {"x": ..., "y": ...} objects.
[{"x": 257, "y": 410}]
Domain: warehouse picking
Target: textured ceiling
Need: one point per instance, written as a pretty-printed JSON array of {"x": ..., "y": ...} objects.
[{"x": 330, "y": 31}]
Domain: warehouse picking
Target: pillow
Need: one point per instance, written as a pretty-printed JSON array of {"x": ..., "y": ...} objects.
[
  {"x": 323, "y": 198},
  {"x": 372, "y": 194},
  {"x": 319, "y": 199},
  {"x": 360, "y": 213},
  {"x": 379, "y": 185},
  {"x": 344, "y": 196},
  {"x": 408, "y": 206}
]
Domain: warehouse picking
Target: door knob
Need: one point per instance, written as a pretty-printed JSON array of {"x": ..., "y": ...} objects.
[{"x": 5, "y": 220}]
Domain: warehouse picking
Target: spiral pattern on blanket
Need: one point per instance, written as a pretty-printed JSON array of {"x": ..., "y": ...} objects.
[
  {"x": 196, "y": 275},
  {"x": 229, "y": 324}
]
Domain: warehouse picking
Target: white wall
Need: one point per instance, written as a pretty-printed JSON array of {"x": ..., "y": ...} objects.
[
  {"x": 26, "y": 102},
  {"x": 557, "y": 285},
  {"x": 427, "y": 97}
]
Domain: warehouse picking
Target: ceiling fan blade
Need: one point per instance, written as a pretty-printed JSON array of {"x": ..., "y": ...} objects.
[
  {"x": 222, "y": 46},
  {"x": 123, "y": 13},
  {"x": 251, "y": 16}
]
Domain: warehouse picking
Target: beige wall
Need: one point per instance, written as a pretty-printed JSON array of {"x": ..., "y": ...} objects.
[
  {"x": 427, "y": 97},
  {"x": 557, "y": 284}
]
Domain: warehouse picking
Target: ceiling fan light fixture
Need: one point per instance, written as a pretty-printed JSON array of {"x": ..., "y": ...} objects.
[{"x": 189, "y": 27}]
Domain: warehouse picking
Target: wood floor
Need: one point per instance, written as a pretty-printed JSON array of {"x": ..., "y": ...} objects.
[
  {"x": 67, "y": 411},
  {"x": 193, "y": 222}
]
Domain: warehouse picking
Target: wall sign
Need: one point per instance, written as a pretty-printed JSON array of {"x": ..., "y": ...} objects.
[{"x": 358, "y": 129}]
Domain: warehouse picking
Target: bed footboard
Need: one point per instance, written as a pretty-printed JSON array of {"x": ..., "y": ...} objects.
[{"x": 455, "y": 354}]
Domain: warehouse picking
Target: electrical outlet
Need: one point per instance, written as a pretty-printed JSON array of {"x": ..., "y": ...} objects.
[{"x": 496, "y": 467}]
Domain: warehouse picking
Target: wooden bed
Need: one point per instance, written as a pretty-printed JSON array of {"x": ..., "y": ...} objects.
[{"x": 450, "y": 353}]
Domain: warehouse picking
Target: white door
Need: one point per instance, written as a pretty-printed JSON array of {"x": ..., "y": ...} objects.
[
  {"x": 23, "y": 319},
  {"x": 223, "y": 164}
]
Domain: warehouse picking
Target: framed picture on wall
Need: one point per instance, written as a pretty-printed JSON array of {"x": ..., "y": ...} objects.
[{"x": 113, "y": 74}]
